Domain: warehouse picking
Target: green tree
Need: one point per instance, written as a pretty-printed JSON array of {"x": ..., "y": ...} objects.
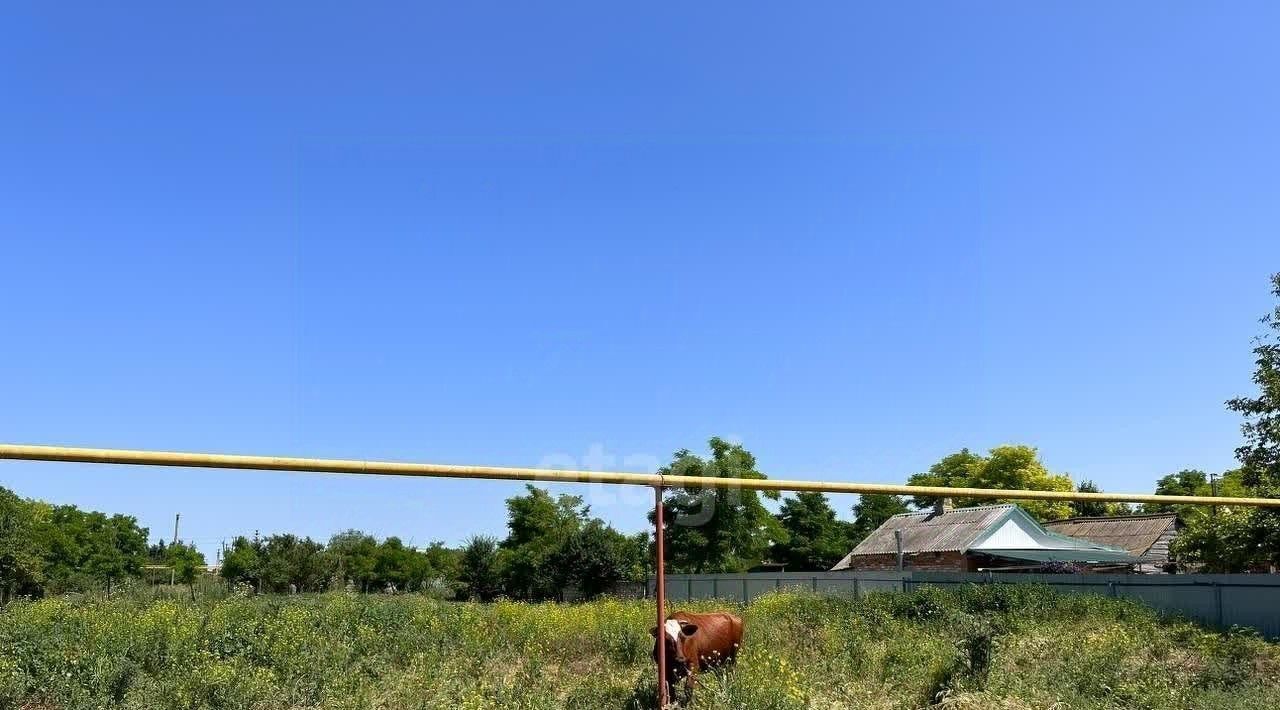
[
  {"x": 290, "y": 564},
  {"x": 1260, "y": 453},
  {"x": 398, "y": 566},
  {"x": 539, "y": 526},
  {"x": 1190, "y": 482},
  {"x": 1096, "y": 509},
  {"x": 553, "y": 544},
  {"x": 1213, "y": 539},
  {"x": 20, "y": 564},
  {"x": 63, "y": 542},
  {"x": 1004, "y": 467},
  {"x": 242, "y": 562},
  {"x": 1187, "y": 482},
  {"x": 478, "y": 572},
  {"x": 816, "y": 539},
  {"x": 1088, "y": 509},
  {"x": 118, "y": 548},
  {"x": 1216, "y": 542},
  {"x": 536, "y": 517},
  {"x": 638, "y": 555},
  {"x": 352, "y": 556},
  {"x": 1227, "y": 539},
  {"x": 442, "y": 562},
  {"x": 952, "y": 471},
  {"x": 717, "y": 530},
  {"x": 870, "y": 512},
  {"x": 595, "y": 558},
  {"x": 187, "y": 562},
  {"x": 81, "y": 550}
]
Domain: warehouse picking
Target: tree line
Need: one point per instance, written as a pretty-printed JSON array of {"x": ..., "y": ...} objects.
[
  {"x": 352, "y": 559},
  {"x": 553, "y": 543},
  {"x": 57, "y": 549}
]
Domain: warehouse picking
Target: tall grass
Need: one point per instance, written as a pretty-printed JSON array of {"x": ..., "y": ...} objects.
[{"x": 979, "y": 647}]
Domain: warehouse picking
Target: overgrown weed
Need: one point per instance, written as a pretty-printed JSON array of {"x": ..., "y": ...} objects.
[{"x": 982, "y": 646}]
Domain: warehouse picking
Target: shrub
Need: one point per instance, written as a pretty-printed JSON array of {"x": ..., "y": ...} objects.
[{"x": 973, "y": 647}]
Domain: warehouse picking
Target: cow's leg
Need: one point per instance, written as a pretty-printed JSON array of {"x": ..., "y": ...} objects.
[
  {"x": 673, "y": 689},
  {"x": 690, "y": 683}
]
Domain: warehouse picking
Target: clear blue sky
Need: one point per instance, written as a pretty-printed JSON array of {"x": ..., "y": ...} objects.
[{"x": 854, "y": 239}]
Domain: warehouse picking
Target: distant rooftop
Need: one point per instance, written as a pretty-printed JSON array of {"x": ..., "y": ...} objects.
[
  {"x": 1005, "y": 531},
  {"x": 926, "y": 531},
  {"x": 1135, "y": 533}
]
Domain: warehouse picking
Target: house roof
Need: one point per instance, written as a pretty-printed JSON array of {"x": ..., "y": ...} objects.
[
  {"x": 1135, "y": 533},
  {"x": 926, "y": 531},
  {"x": 996, "y": 530}
]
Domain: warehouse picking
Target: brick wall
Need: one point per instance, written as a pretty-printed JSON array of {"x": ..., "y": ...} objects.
[{"x": 924, "y": 561}]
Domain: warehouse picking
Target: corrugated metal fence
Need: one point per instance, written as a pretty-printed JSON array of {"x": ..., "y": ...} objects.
[{"x": 1217, "y": 600}]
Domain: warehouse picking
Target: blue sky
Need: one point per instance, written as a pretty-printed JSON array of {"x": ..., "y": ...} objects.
[{"x": 855, "y": 239}]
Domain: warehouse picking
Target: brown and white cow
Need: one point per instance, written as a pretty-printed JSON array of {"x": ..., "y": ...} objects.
[{"x": 696, "y": 642}]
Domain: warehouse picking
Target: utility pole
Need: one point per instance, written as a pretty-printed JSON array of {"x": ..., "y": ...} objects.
[{"x": 172, "y": 572}]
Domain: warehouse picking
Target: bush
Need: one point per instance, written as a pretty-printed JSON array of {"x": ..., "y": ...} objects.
[{"x": 1001, "y": 646}]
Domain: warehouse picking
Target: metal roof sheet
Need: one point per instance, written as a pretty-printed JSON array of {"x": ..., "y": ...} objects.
[
  {"x": 959, "y": 530},
  {"x": 1136, "y": 533},
  {"x": 926, "y": 531}
]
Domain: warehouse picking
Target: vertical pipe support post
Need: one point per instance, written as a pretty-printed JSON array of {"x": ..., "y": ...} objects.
[{"x": 660, "y": 595}]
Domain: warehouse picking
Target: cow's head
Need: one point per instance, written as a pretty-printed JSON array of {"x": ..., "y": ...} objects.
[{"x": 674, "y": 634}]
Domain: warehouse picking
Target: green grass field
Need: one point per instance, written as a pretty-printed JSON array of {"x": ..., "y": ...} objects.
[{"x": 982, "y": 647}]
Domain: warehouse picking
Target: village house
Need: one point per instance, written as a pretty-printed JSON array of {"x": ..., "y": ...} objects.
[
  {"x": 1146, "y": 537},
  {"x": 946, "y": 539}
]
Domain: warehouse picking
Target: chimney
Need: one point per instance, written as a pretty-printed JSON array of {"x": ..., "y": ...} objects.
[{"x": 943, "y": 505}]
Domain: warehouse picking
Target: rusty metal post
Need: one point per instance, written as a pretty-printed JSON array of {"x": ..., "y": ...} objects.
[{"x": 660, "y": 595}]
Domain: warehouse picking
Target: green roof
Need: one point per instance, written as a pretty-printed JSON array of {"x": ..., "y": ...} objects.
[{"x": 1065, "y": 555}]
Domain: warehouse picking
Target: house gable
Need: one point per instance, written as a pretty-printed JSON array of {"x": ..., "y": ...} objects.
[{"x": 1015, "y": 531}]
